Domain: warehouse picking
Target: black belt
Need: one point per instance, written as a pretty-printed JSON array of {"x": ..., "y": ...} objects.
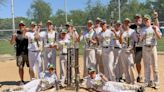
[
  {"x": 117, "y": 47},
  {"x": 63, "y": 53},
  {"x": 105, "y": 46},
  {"x": 149, "y": 46}
]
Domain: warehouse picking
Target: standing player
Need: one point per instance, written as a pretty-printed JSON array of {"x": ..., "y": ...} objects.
[
  {"x": 34, "y": 50},
  {"x": 149, "y": 35},
  {"x": 98, "y": 48},
  {"x": 89, "y": 37},
  {"x": 117, "y": 50},
  {"x": 126, "y": 56},
  {"x": 63, "y": 44},
  {"x": 105, "y": 38},
  {"x": 50, "y": 38},
  {"x": 21, "y": 44}
]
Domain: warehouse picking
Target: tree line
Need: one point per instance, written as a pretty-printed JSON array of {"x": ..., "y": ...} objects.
[{"x": 42, "y": 11}]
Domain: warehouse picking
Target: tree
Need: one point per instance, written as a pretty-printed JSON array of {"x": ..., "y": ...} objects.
[{"x": 39, "y": 11}]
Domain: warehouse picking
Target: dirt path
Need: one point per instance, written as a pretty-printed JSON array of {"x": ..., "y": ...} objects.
[{"x": 9, "y": 73}]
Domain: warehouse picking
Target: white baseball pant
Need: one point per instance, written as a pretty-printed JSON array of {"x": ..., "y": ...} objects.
[
  {"x": 63, "y": 63},
  {"x": 89, "y": 60},
  {"x": 108, "y": 63},
  {"x": 150, "y": 58},
  {"x": 99, "y": 63}
]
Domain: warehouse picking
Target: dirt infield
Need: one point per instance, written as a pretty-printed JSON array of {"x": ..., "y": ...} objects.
[{"x": 9, "y": 73}]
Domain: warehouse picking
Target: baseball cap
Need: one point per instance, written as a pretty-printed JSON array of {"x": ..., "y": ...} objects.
[
  {"x": 138, "y": 15},
  {"x": 98, "y": 19},
  {"x": 40, "y": 24},
  {"x": 146, "y": 16},
  {"x": 118, "y": 22},
  {"x": 69, "y": 24},
  {"x": 50, "y": 66},
  {"x": 91, "y": 69},
  {"x": 63, "y": 31},
  {"x": 49, "y": 22},
  {"x": 33, "y": 23},
  {"x": 21, "y": 23},
  {"x": 90, "y": 21},
  {"x": 103, "y": 21},
  {"x": 127, "y": 19}
]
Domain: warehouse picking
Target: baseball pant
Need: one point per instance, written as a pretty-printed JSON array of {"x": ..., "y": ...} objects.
[
  {"x": 108, "y": 63},
  {"x": 150, "y": 58},
  {"x": 99, "y": 60},
  {"x": 35, "y": 61},
  {"x": 89, "y": 60},
  {"x": 117, "y": 64},
  {"x": 118, "y": 87},
  {"x": 50, "y": 57},
  {"x": 128, "y": 65},
  {"x": 63, "y": 63}
]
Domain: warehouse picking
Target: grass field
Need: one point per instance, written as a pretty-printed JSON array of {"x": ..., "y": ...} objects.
[{"x": 6, "y": 48}]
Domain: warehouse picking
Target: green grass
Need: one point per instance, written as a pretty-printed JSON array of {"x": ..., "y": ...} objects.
[{"x": 6, "y": 48}]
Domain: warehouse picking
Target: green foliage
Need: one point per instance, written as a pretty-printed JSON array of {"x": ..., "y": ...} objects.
[
  {"x": 6, "y": 48},
  {"x": 39, "y": 11}
]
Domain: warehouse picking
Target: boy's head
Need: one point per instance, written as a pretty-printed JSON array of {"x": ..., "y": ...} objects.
[{"x": 51, "y": 68}]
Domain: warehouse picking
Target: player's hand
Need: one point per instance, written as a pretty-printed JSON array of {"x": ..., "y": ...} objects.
[{"x": 154, "y": 28}]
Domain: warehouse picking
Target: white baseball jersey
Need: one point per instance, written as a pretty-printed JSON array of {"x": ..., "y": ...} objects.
[
  {"x": 32, "y": 43},
  {"x": 148, "y": 35},
  {"x": 98, "y": 30},
  {"x": 128, "y": 37},
  {"x": 106, "y": 38},
  {"x": 63, "y": 45},
  {"x": 116, "y": 41},
  {"x": 87, "y": 35}
]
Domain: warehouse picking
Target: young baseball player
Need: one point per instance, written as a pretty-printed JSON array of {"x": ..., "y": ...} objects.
[
  {"x": 47, "y": 80},
  {"x": 63, "y": 44},
  {"x": 149, "y": 35},
  {"x": 117, "y": 50},
  {"x": 105, "y": 38},
  {"x": 98, "y": 49},
  {"x": 99, "y": 83},
  {"x": 21, "y": 43},
  {"x": 126, "y": 39},
  {"x": 34, "y": 50},
  {"x": 89, "y": 37},
  {"x": 50, "y": 38}
]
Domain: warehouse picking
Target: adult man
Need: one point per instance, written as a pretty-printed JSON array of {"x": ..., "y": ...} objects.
[
  {"x": 21, "y": 43},
  {"x": 50, "y": 38},
  {"x": 34, "y": 49},
  {"x": 48, "y": 79},
  {"x": 117, "y": 50},
  {"x": 126, "y": 39},
  {"x": 89, "y": 37},
  {"x": 137, "y": 44},
  {"x": 106, "y": 37},
  {"x": 149, "y": 36},
  {"x": 98, "y": 48},
  {"x": 100, "y": 83}
]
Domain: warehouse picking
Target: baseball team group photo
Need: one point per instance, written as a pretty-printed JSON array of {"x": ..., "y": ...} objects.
[{"x": 85, "y": 46}]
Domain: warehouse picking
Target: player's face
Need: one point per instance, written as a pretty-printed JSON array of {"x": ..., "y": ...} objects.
[
  {"x": 21, "y": 27},
  {"x": 33, "y": 27},
  {"x": 138, "y": 20},
  {"x": 104, "y": 26},
  {"x": 147, "y": 22},
  {"x": 126, "y": 23},
  {"x": 63, "y": 35},
  {"x": 97, "y": 23},
  {"x": 49, "y": 26},
  {"x": 92, "y": 74},
  {"x": 89, "y": 26},
  {"x": 69, "y": 28},
  {"x": 51, "y": 70},
  {"x": 118, "y": 26}
]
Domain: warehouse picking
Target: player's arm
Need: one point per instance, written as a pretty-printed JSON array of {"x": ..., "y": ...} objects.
[
  {"x": 103, "y": 77},
  {"x": 155, "y": 16},
  {"x": 13, "y": 38},
  {"x": 157, "y": 32}
]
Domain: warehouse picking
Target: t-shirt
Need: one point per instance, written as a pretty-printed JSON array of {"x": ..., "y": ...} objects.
[
  {"x": 106, "y": 38},
  {"x": 149, "y": 36},
  {"x": 21, "y": 44}
]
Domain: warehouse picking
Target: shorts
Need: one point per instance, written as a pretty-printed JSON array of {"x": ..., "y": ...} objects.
[
  {"x": 138, "y": 55},
  {"x": 21, "y": 60}
]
